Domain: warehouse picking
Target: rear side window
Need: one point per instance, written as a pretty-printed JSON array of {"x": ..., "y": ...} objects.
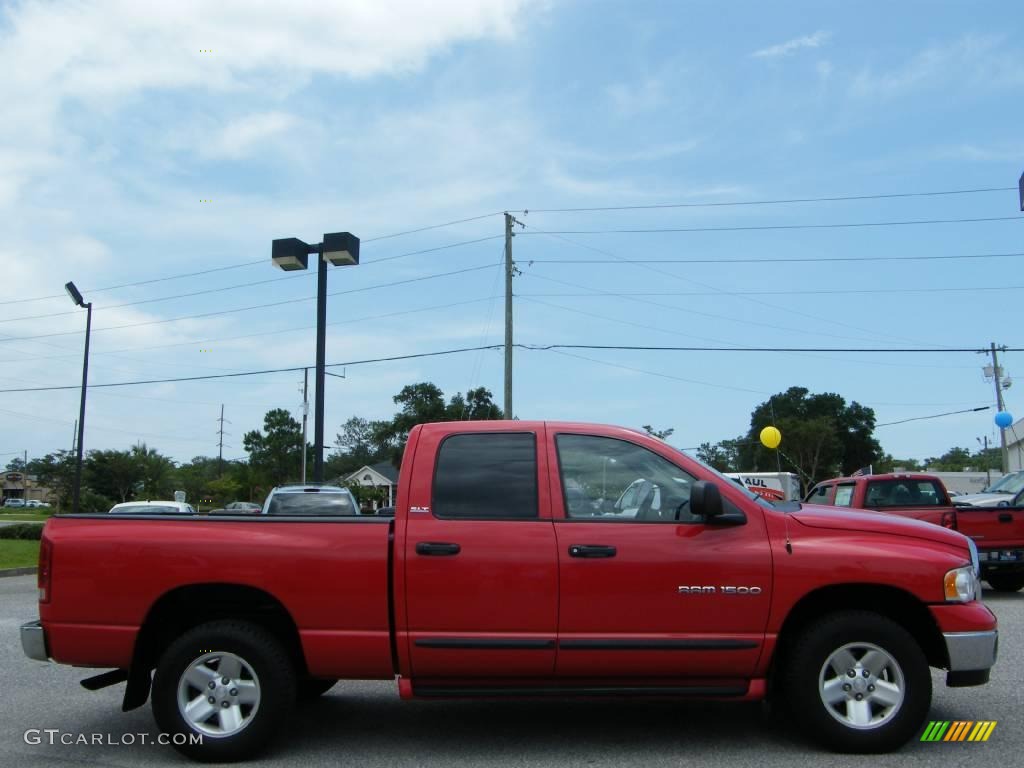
[
  {"x": 904, "y": 493},
  {"x": 844, "y": 495},
  {"x": 487, "y": 476}
]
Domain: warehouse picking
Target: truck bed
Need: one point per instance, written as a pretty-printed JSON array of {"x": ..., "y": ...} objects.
[{"x": 332, "y": 575}]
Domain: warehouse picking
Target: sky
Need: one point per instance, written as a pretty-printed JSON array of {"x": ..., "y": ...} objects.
[{"x": 143, "y": 143}]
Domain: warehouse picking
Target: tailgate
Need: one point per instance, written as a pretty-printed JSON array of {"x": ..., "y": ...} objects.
[{"x": 993, "y": 527}]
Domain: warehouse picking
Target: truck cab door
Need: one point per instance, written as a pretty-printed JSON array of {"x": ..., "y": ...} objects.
[
  {"x": 658, "y": 594},
  {"x": 481, "y": 571}
]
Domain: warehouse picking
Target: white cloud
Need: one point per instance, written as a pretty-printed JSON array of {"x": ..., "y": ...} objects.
[
  {"x": 242, "y": 136},
  {"x": 96, "y": 55},
  {"x": 972, "y": 61},
  {"x": 629, "y": 99},
  {"x": 815, "y": 40}
]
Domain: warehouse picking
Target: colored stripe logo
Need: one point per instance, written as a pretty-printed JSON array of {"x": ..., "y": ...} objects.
[{"x": 959, "y": 730}]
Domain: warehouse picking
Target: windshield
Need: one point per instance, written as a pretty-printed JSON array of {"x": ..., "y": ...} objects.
[
  {"x": 1011, "y": 484},
  {"x": 728, "y": 481}
]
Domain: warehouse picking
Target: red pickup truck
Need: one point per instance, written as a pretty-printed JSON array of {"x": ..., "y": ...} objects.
[
  {"x": 997, "y": 531},
  {"x": 493, "y": 580}
]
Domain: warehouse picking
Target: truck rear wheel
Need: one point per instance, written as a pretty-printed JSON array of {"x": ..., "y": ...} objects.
[
  {"x": 223, "y": 690},
  {"x": 857, "y": 682},
  {"x": 1005, "y": 582}
]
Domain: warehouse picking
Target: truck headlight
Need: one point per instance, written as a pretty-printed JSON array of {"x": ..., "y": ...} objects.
[{"x": 962, "y": 585}]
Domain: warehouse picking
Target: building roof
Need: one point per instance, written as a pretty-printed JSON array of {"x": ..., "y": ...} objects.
[{"x": 384, "y": 469}]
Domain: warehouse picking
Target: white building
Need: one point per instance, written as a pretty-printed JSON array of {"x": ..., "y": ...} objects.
[{"x": 1015, "y": 445}]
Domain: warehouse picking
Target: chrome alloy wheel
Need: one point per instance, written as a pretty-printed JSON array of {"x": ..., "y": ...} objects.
[
  {"x": 861, "y": 686},
  {"x": 218, "y": 694}
]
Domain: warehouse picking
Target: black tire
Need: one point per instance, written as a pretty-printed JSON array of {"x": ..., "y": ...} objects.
[
  {"x": 311, "y": 688},
  {"x": 1005, "y": 582},
  {"x": 804, "y": 669},
  {"x": 269, "y": 664}
]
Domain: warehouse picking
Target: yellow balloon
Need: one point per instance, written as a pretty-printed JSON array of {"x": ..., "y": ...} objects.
[{"x": 770, "y": 437}]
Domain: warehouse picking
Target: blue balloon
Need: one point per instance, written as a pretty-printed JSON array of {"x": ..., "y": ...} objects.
[{"x": 1003, "y": 419}]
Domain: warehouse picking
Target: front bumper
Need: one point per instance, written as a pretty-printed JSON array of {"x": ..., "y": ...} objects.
[
  {"x": 971, "y": 656},
  {"x": 33, "y": 641}
]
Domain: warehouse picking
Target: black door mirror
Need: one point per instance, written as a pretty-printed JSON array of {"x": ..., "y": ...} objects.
[{"x": 705, "y": 500}]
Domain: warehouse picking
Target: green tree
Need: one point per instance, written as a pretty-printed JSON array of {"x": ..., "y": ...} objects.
[
  {"x": 56, "y": 471},
  {"x": 113, "y": 474},
  {"x": 157, "y": 472},
  {"x": 16, "y": 464},
  {"x": 953, "y": 460},
  {"x": 661, "y": 434},
  {"x": 822, "y": 436},
  {"x": 276, "y": 453},
  {"x": 723, "y": 455},
  {"x": 222, "y": 490},
  {"x": 476, "y": 405}
]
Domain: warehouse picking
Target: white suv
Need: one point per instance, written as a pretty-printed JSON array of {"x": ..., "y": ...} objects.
[{"x": 310, "y": 500}]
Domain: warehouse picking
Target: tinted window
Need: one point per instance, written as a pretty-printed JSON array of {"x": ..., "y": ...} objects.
[
  {"x": 819, "y": 495},
  {"x": 904, "y": 493},
  {"x": 844, "y": 496},
  {"x": 146, "y": 509},
  {"x": 612, "y": 480},
  {"x": 311, "y": 504},
  {"x": 487, "y": 476}
]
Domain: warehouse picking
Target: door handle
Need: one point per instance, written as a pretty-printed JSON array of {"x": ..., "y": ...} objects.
[
  {"x": 1005, "y": 517},
  {"x": 591, "y": 550},
  {"x": 437, "y": 548}
]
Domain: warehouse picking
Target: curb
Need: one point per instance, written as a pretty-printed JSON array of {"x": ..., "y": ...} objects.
[{"x": 17, "y": 571}]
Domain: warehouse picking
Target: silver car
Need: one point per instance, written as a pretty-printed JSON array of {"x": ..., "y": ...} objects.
[{"x": 310, "y": 499}]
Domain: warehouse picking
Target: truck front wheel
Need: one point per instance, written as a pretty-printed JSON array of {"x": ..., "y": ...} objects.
[
  {"x": 1005, "y": 582},
  {"x": 858, "y": 682},
  {"x": 223, "y": 690}
]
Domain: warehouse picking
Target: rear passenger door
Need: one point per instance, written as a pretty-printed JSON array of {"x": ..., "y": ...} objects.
[{"x": 481, "y": 566}]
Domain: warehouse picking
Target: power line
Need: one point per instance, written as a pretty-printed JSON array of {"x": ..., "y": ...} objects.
[
  {"x": 773, "y": 292},
  {"x": 261, "y": 261},
  {"x": 307, "y": 274},
  {"x": 249, "y": 308},
  {"x": 261, "y": 334},
  {"x": 529, "y": 347},
  {"x": 256, "y": 373},
  {"x": 773, "y": 260},
  {"x": 934, "y": 416},
  {"x": 841, "y": 198},
  {"x": 708, "y": 286},
  {"x": 639, "y": 348},
  {"x": 768, "y": 227}
]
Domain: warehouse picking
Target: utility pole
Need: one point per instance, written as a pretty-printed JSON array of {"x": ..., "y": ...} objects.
[
  {"x": 305, "y": 415},
  {"x": 509, "y": 270},
  {"x": 988, "y": 469},
  {"x": 220, "y": 443},
  {"x": 997, "y": 377}
]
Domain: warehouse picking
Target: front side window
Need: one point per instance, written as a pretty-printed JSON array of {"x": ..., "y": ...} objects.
[
  {"x": 819, "y": 495},
  {"x": 605, "y": 479},
  {"x": 487, "y": 476}
]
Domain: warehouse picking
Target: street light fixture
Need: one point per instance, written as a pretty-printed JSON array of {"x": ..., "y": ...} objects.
[
  {"x": 76, "y": 297},
  {"x": 290, "y": 253}
]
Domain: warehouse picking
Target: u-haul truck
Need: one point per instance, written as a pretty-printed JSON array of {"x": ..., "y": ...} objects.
[{"x": 773, "y": 486}]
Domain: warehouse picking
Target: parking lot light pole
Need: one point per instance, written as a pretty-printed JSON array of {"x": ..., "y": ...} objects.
[
  {"x": 290, "y": 253},
  {"x": 79, "y": 301}
]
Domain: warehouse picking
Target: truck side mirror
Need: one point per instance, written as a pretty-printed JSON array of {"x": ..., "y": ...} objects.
[{"x": 705, "y": 500}]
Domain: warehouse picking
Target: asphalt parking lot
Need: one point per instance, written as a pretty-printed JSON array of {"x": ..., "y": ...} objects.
[{"x": 365, "y": 724}]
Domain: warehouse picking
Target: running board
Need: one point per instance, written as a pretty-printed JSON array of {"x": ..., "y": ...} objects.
[{"x": 441, "y": 691}]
